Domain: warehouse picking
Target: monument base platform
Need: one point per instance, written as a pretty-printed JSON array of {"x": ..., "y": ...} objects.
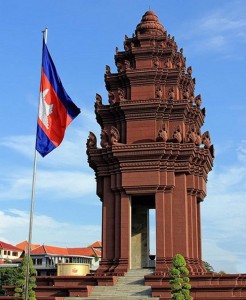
[{"x": 207, "y": 286}]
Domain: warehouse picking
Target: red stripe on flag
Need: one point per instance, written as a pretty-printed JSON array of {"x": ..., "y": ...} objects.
[{"x": 58, "y": 119}]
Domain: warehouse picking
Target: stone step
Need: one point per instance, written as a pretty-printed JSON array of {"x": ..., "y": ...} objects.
[{"x": 129, "y": 287}]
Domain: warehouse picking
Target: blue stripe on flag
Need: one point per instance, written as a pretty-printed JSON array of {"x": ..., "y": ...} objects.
[
  {"x": 43, "y": 143},
  {"x": 54, "y": 79}
]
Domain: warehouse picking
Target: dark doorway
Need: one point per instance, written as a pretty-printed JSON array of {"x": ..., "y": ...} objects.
[{"x": 140, "y": 230}]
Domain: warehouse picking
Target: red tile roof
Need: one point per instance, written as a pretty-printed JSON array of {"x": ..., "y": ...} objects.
[
  {"x": 97, "y": 244},
  {"x": 24, "y": 246},
  {"x": 45, "y": 249},
  {"x": 5, "y": 246},
  {"x": 80, "y": 251},
  {"x": 97, "y": 252},
  {"x": 89, "y": 251}
]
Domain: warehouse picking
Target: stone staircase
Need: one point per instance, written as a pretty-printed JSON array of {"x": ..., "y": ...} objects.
[{"x": 129, "y": 287}]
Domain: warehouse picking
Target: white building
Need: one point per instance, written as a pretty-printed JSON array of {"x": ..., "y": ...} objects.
[{"x": 9, "y": 252}]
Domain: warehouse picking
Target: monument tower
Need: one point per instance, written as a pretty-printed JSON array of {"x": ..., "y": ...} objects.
[{"x": 152, "y": 154}]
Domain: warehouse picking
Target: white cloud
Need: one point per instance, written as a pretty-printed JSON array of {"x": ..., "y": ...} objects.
[
  {"x": 242, "y": 152},
  {"x": 23, "y": 144},
  {"x": 221, "y": 30},
  {"x": 224, "y": 217},
  {"x": 226, "y": 178},
  {"x": 14, "y": 227},
  {"x": 58, "y": 184},
  {"x": 223, "y": 21},
  {"x": 72, "y": 151},
  {"x": 15, "y": 185},
  {"x": 65, "y": 184},
  {"x": 219, "y": 258},
  {"x": 62, "y": 173}
]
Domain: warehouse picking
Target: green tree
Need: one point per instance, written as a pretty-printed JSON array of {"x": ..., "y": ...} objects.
[
  {"x": 21, "y": 280},
  {"x": 208, "y": 267},
  {"x": 96, "y": 257},
  {"x": 180, "y": 287},
  {"x": 8, "y": 276}
]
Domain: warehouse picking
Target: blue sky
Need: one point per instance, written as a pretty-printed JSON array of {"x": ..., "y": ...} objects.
[{"x": 82, "y": 39}]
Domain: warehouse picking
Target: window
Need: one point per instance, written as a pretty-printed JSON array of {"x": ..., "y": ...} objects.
[
  {"x": 15, "y": 253},
  {"x": 39, "y": 261}
]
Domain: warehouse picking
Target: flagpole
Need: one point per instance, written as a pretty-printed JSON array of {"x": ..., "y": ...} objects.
[{"x": 45, "y": 34}]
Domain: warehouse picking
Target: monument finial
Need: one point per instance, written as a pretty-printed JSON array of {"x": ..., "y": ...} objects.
[{"x": 150, "y": 24}]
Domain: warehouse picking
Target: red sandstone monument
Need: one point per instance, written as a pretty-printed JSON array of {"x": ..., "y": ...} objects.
[{"x": 154, "y": 155}]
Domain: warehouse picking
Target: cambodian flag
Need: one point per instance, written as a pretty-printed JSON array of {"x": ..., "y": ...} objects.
[{"x": 56, "y": 109}]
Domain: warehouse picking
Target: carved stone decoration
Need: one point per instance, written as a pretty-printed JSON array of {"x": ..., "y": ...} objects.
[
  {"x": 191, "y": 134},
  {"x": 104, "y": 139},
  {"x": 180, "y": 61},
  {"x": 189, "y": 70},
  {"x": 98, "y": 99},
  {"x": 114, "y": 135},
  {"x": 206, "y": 140},
  {"x": 153, "y": 43},
  {"x": 111, "y": 98},
  {"x": 126, "y": 47},
  {"x": 171, "y": 42},
  {"x": 171, "y": 94},
  {"x": 177, "y": 135},
  {"x": 211, "y": 149},
  {"x": 91, "y": 141},
  {"x": 127, "y": 65},
  {"x": 168, "y": 39},
  {"x": 116, "y": 50},
  {"x": 121, "y": 94},
  {"x": 108, "y": 71},
  {"x": 119, "y": 67},
  {"x": 168, "y": 63},
  {"x": 198, "y": 100},
  {"x": 198, "y": 138},
  {"x": 162, "y": 135},
  {"x": 184, "y": 62},
  {"x": 156, "y": 61},
  {"x": 162, "y": 44},
  {"x": 192, "y": 99},
  {"x": 158, "y": 93},
  {"x": 203, "y": 111},
  {"x": 109, "y": 137},
  {"x": 186, "y": 94}
]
